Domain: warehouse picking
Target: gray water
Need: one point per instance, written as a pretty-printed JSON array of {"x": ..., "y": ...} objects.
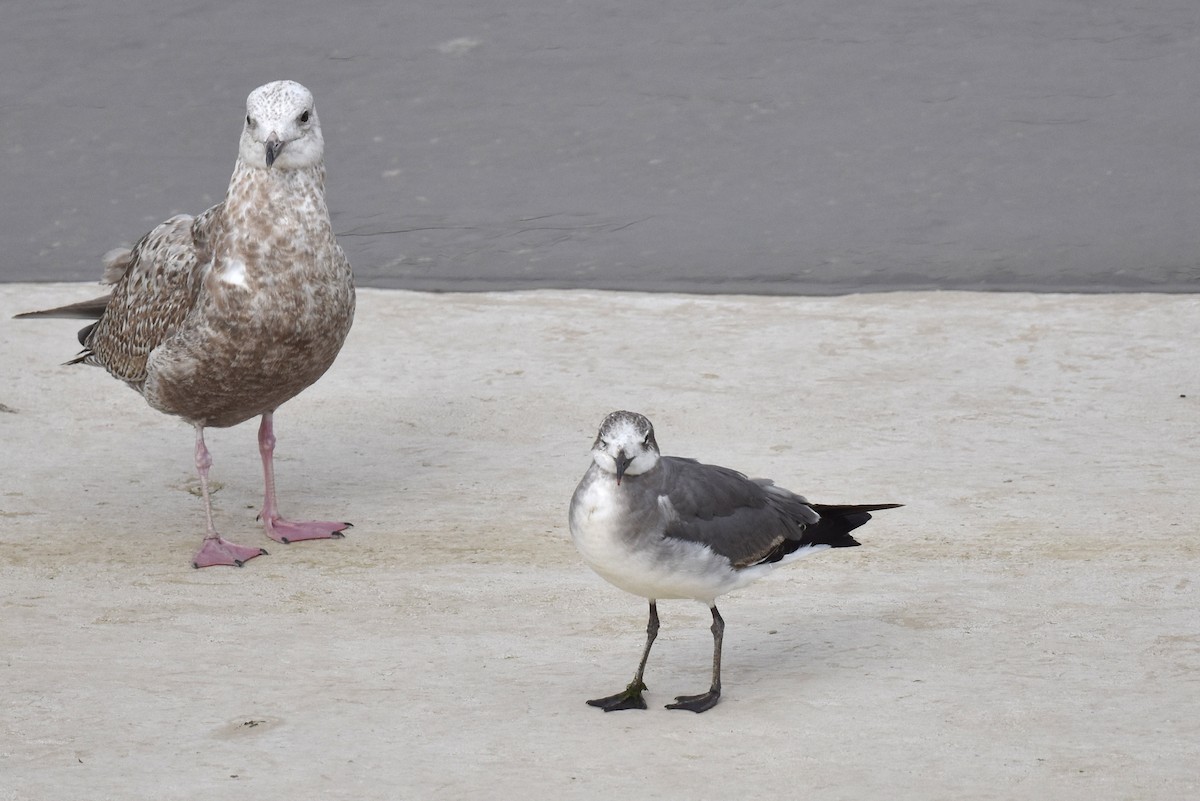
[{"x": 802, "y": 146}]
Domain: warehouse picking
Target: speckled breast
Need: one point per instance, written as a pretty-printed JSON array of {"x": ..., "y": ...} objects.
[{"x": 250, "y": 348}]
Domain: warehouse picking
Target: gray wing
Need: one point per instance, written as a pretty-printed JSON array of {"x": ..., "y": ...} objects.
[
  {"x": 156, "y": 286},
  {"x": 745, "y": 520}
]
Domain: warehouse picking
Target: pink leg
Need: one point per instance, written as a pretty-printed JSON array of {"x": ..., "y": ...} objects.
[
  {"x": 277, "y": 527},
  {"x": 215, "y": 550}
]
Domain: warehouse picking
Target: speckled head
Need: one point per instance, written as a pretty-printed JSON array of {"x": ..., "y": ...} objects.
[
  {"x": 625, "y": 445},
  {"x": 282, "y": 131}
]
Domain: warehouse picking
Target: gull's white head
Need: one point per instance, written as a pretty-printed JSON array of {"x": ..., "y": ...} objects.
[
  {"x": 282, "y": 131},
  {"x": 625, "y": 445}
]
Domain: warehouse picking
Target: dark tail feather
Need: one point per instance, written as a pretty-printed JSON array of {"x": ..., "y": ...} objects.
[
  {"x": 83, "y": 335},
  {"x": 84, "y": 310},
  {"x": 836, "y": 523}
]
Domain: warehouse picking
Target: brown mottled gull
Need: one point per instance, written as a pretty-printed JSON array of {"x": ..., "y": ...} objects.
[{"x": 224, "y": 317}]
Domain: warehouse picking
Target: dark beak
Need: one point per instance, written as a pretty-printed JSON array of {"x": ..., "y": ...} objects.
[
  {"x": 622, "y": 463},
  {"x": 273, "y": 147}
]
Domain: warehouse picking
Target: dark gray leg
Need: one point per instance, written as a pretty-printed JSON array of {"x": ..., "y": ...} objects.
[
  {"x": 705, "y": 701},
  {"x": 631, "y": 696}
]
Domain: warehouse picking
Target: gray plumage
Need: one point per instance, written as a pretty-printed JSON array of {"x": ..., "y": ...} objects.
[
  {"x": 667, "y": 527},
  {"x": 745, "y": 520}
]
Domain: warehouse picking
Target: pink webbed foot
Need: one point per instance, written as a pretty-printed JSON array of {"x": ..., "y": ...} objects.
[
  {"x": 218, "y": 551},
  {"x": 278, "y": 528},
  {"x": 287, "y": 531}
]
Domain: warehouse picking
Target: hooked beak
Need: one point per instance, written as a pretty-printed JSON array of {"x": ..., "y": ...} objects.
[
  {"x": 622, "y": 463},
  {"x": 273, "y": 146}
]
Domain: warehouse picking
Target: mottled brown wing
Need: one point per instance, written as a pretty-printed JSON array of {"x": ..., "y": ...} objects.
[{"x": 154, "y": 294}]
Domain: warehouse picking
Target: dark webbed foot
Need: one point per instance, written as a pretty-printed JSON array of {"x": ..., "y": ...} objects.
[
  {"x": 696, "y": 703},
  {"x": 706, "y": 701},
  {"x": 629, "y": 698}
]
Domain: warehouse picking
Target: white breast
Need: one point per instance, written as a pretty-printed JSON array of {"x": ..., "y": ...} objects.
[{"x": 631, "y": 552}]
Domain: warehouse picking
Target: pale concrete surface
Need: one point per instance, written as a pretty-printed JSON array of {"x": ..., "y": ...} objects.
[{"x": 1026, "y": 627}]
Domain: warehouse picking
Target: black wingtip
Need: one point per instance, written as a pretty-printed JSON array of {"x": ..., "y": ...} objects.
[
  {"x": 837, "y": 521},
  {"x": 836, "y": 509},
  {"x": 846, "y": 518}
]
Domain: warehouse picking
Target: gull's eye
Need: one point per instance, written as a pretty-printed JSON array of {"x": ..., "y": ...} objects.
[
  {"x": 303, "y": 117},
  {"x": 603, "y": 443},
  {"x": 249, "y": 121}
]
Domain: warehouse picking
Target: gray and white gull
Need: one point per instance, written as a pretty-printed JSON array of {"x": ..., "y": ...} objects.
[
  {"x": 667, "y": 527},
  {"x": 224, "y": 317}
]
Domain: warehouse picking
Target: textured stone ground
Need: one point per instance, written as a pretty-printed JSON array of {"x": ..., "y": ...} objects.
[{"x": 1024, "y": 627}]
